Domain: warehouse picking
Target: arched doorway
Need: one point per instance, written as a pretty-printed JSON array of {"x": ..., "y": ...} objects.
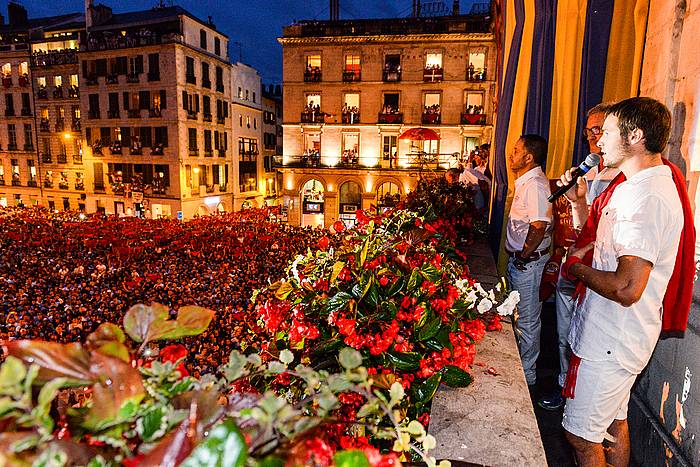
[
  {"x": 312, "y": 204},
  {"x": 388, "y": 195},
  {"x": 202, "y": 211},
  {"x": 221, "y": 208},
  {"x": 349, "y": 202}
]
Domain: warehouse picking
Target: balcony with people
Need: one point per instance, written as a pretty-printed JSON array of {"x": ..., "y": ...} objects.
[
  {"x": 312, "y": 114},
  {"x": 350, "y": 114},
  {"x": 390, "y": 115},
  {"x": 392, "y": 68},
  {"x": 473, "y": 115},
  {"x": 139, "y": 36},
  {"x": 40, "y": 58},
  {"x": 44, "y": 125}
]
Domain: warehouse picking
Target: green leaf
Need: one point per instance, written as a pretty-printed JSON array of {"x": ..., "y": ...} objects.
[
  {"x": 349, "y": 358},
  {"x": 116, "y": 350},
  {"x": 413, "y": 280},
  {"x": 363, "y": 253},
  {"x": 191, "y": 321},
  {"x": 351, "y": 458},
  {"x": 396, "y": 393},
  {"x": 430, "y": 272},
  {"x": 406, "y": 361},
  {"x": 153, "y": 424},
  {"x": 54, "y": 360},
  {"x": 429, "y": 329},
  {"x": 236, "y": 366},
  {"x": 106, "y": 332},
  {"x": 48, "y": 392},
  {"x": 284, "y": 290},
  {"x": 456, "y": 377},
  {"x": 396, "y": 287},
  {"x": 143, "y": 322},
  {"x": 425, "y": 391},
  {"x": 337, "y": 267},
  {"x": 373, "y": 295},
  {"x": 12, "y": 373},
  {"x": 337, "y": 302},
  {"x": 224, "y": 447},
  {"x": 271, "y": 461}
]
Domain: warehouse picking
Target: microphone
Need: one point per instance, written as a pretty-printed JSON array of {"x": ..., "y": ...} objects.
[{"x": 591, "y": 161}]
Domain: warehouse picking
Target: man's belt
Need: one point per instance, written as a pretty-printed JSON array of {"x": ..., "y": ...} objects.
[{"x": 533, "y": 257}]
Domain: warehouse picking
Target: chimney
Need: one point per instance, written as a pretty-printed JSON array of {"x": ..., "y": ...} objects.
[
  {"x": 16, "y": 14},
  {"x": 335, "y": 10},
  {"x": 416, "y": 9},
  {"x": 455, "y": 8},
  {"x": 89, "y": 9}
]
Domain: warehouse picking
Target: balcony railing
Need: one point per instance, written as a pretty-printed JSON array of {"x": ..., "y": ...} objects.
[
  {"x": 94, "y": 114},
  {"x": 112, "y": 79},
  {"x": 206, "y": 83},
  {"x": 132, "y": 78},
  {"x": 432, "y": 74},
  {"x": 48, "y": 184},
  {"x": 133, "y": 113},
  {"x": 154, "y": 113},
  {"x": 476, "y": 74},
  {"x": 473, "y": 119},
  {"x": 116, "y": 149},
  {"x": 24, "y": 81},
  {"x": 42, "y": 93},
  {"x": 193, "y": 152},
  {"x": 350, "y": 118},
  {"x": 431, "y": 118},
  {"x": 77, "y": 158},
  {"x": 7, "y": 81},
  {"x": 192, "y": 115},
  {"x": 44, "y": 124},
  {"x": 410, "y": 161},
  {"x": 46, "y": 158},
  {"x": 16, "y": 183},
  {"x": 91, "y": 80},
  {"x": 12, "y": 147},
  {"x": 75, "y": 125},
  {"x": 73, "y": 92},
  {"x": 222, "y": 187},
  {"x": 351, "y": 76},
  {"x": 390, "y": 118},
  {"x": 220, "y": 120},
  {"x": 133, "y": 38},
  {"x": 26, "y": 112},
  {"x": 208, "y": 152},
  {"x": 32, "y": 183},
  {"x": 210, "y": 189},
  {"x": 157, "y": 149},
  {"x": 313, "y": 117},
  {"x": 153, "y": 76},
  {"x": 2, "y": 182},
  {"x": 206, "y": 117},
  {"x": 29, "y": 146},
  {"x": 60, "y": 125},
  {"x": 58, "y": 92},
  {"x": 221, "y": 152},
  {"x": 9, "y": 112},
  {"x": 313, "y": 76},
  {"x": 136, "y": 151},
  {"x": 62, "y": 158},
  {"x": 54, "y": 57},
  {"x": 79, "y": 186},
  {"x": 391, "y": 75},
  {"x": 63, "y": 185},
  {"x": 113, "y": 113}
]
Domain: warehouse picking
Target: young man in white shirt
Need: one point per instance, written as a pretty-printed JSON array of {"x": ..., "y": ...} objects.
[
  {"x": 597, "y": 179},
  {"x": 614, "y": 330},
  {"x": 528, "y": 238}
]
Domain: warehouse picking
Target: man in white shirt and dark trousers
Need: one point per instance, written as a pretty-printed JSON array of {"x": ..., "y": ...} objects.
[
  {"x": 528, "y": 238},
  {"x": 615, "y": 329},
  {"x": 597, "y": 179}
]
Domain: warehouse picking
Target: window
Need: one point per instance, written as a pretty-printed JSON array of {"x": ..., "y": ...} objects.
[
  {"x": 192, "y": 138},
  {"x": 433, "y": 67},
  {"x": 206, "y": 108},
  {"x": 41, "y": 81},
  {"x": 473, "y": 110},
  {"x": 433, "y": 60},
  {"x": 207, "y": 143},
  {"x": 6, "y": 70},
  {"x": 476, "y": 70},
  {"x": 313, "y": 101},
  {"x": 351, "y": 72},
  {"x": 350, "y": 148},
  {"x": 135, "y": 65},
  {"x": 389, "y": 149},
  {"x": 392, "y": 67},
  {"x": 9, "y": 105},
  {"x": 246, "y": 94},
  {"x": 247, "y": 121},
  {"x": 219, "y": 79},
  {"x": 205, "y": 75},
  {"x": 74, "y": 80},
  {"x": 240, "y": 92},
  {"x": 113, "y": 109},
  {"x": 161, "y": 136},
  {"x": 312, "y": 73},
  {"x": 203, "y": 39},
  {"x": 144, "y": 100},
  {"x": 217, "y": 46},
  {"x": 153, "y": 67},
  {"x": 255, "y": 123},
  {"x": 391, "y": 103},
  {"x": 431, "y": 108},
  {"x": 11, "y": 137},
  {"x": 189, "y": 70},
  {"x": 247, "y": 149},
  {"x": 351, "y": 108},
  {"x": 28, "y": 137},
  {"x": 94, "y": 106},
  {"x": 253, "y": 96}
]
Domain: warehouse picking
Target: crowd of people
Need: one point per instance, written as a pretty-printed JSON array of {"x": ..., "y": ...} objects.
[{"x": 62, "y": 275}]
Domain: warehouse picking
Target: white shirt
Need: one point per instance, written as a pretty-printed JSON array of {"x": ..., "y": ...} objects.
[
  {"x": 529, "y": 205},
  {"x": 643, "y": 218},
  {"x": 598, "y": 181}
]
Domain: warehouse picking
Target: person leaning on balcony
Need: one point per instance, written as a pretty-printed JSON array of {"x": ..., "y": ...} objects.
[
  {"x": 597, "y": 179},
  {"x": 528, "y": 238},
  {"x": 641, "y": 237}
]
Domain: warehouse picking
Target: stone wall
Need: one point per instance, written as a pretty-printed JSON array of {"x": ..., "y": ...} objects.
[{"x": 665, "y": 407}]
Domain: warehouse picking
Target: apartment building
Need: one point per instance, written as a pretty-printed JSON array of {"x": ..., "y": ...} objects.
[
  {"x": 155, "y": 93},
  {"x": 272, "y": 141},
  {"x": 247, "y": 116},
  {"x": 352, "y": 88}
]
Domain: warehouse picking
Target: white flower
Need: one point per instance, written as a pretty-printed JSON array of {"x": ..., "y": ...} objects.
[
  {"x": 480, "y": 289},
  {"x": 484, "y": 305},
  {"x": 471, "y": 297},
  {"x": 462, "y": 285},
  {"x": 492, "y": 296},
  {"x": 506, "y": 308},
  {"x": 293, "y": 269}
]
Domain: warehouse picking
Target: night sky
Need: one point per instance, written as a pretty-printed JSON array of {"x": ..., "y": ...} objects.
[{"x": 254, "y": 23}]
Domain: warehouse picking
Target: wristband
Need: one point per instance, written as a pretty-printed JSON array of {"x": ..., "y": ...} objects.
[{"x": 570, "y": 261}]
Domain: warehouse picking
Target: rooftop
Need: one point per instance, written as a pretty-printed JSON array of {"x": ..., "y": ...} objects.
[{"x": 457, "y": 24}]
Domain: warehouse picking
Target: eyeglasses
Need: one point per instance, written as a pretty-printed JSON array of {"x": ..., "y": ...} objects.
[{"x": 593, "y": 131}]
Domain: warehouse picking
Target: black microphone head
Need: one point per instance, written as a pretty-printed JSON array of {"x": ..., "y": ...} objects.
[{"x": 592, "y": 160}]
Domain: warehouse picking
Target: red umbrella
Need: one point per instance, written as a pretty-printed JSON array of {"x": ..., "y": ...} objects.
[{"x": 420, "y": 134}]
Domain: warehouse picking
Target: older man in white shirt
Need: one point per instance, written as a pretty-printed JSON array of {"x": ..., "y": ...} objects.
[{"x": 528, "y": 238}]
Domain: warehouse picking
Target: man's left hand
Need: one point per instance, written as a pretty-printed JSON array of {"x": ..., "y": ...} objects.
[{"x": 580, "y": 252}]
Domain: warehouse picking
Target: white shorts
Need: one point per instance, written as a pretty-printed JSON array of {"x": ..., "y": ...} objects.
[{"x": 601, "y": 396}]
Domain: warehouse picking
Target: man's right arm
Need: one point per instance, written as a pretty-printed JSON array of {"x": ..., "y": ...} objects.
[{"x": 576, "y": 195}]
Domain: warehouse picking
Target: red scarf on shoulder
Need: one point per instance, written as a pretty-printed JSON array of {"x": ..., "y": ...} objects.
[{"x": 679, "y": 292}]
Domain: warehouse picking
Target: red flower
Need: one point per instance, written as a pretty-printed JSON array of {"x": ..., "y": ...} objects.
[
  {"x": 436, "y": 261},
  {"x": 424, "y": 419},
  {"x": 172, "y": 353},
  {"x": 319, "y": 453},
  {"x": 133, "y": 461},
  {"x": 346, "y": 326},
  {"x": 383, "y": 281},
  {"x": 323, "y": 243},
  {"x": 429, "y": 287},
  {"x": 338, "y": 226}
]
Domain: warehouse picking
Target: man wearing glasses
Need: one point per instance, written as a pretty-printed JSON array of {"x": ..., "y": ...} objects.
[{"x": 597, "y": 180}]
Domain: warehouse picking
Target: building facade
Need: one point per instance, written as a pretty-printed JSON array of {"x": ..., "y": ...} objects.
[
  {"x": 272, "y": 141},
  {"x": 155, "y": 94},
  {"x": 351, "y": 88}
]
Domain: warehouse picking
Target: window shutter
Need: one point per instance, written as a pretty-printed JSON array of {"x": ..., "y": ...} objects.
[
  {"x": 184, "y": 100},
  {"x": 139, "y": 64},
  {"x": 163, "y": 101},
  {"x": 196, "y": 103},
  {"x": 125, "y": 96}
]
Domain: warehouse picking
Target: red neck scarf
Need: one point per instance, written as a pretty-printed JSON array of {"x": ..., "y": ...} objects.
[{"x": 679, "y": 292}]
